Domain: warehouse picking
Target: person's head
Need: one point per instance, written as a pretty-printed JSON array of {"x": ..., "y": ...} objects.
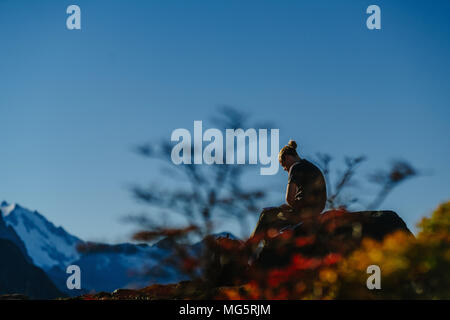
[{"x": 288, "y": 155}]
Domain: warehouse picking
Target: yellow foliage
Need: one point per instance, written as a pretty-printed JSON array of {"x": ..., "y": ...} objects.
[{"x": 411, "y": 268}]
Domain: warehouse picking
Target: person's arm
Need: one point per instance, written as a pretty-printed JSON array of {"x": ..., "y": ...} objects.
[
  {"x": 290, "y": 193},
  {"x": 289, "y": 207}
]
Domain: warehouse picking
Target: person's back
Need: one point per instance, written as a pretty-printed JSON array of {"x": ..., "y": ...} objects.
[{"x": 311, "y": 190}]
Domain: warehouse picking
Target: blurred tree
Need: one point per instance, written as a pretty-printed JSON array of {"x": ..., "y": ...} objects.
[
  {"x": 203, "y": 194},
  {"x": 388, "y": 180}
]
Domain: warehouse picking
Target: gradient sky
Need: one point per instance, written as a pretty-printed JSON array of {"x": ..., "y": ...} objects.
[{"x": 74, "y": 103}]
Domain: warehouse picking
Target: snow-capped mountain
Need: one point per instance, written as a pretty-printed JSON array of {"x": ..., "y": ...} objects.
[
  {"x": 104, "y": 267},
  {"x": 8, "y": 233},
  {"x": 47, "y": 245}
]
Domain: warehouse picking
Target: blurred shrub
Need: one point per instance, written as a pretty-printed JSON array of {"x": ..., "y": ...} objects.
[{"x": 411, "y": 268}]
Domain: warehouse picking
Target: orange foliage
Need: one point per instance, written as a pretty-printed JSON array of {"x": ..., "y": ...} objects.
[{"x": 411, "y": 268}]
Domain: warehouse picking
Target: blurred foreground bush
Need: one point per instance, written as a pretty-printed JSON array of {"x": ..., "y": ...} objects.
[{"x": 411, "y": 268}]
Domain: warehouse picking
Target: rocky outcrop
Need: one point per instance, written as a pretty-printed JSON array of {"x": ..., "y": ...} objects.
[{"x": 336, "y": 231}]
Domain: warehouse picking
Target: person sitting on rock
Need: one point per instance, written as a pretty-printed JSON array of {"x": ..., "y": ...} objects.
[{"x": 306, "y": 195}]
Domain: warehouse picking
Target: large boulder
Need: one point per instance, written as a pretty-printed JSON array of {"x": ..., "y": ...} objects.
[{"x": 336, "y": 231}]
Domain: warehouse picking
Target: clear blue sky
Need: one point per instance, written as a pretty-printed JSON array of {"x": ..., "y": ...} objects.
[{"x": 74, "y": 103}]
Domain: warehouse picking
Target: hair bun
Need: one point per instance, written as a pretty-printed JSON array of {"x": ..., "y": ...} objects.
[{"x": 292, "y": 144}]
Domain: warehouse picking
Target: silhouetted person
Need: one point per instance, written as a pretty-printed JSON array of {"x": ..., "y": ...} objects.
[{"x": 306, "y": 194}]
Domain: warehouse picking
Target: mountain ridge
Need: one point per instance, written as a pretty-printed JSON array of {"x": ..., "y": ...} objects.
[
  {"x": 104, "y": 267},
  {"x": 18, "y": 274},
  {"x": 46, "y": 244}
]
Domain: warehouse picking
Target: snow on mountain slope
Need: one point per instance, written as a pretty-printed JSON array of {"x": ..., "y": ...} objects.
[
  {"x": 8, "y": 233},
  {"x": 7, "y": 208},
  {"x": 46, "y": 244}
]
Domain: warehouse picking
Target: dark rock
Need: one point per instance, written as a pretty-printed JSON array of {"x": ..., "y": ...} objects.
[
  {"x": 336, "y": 231},
  {"x": 18, "y": 275}
]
